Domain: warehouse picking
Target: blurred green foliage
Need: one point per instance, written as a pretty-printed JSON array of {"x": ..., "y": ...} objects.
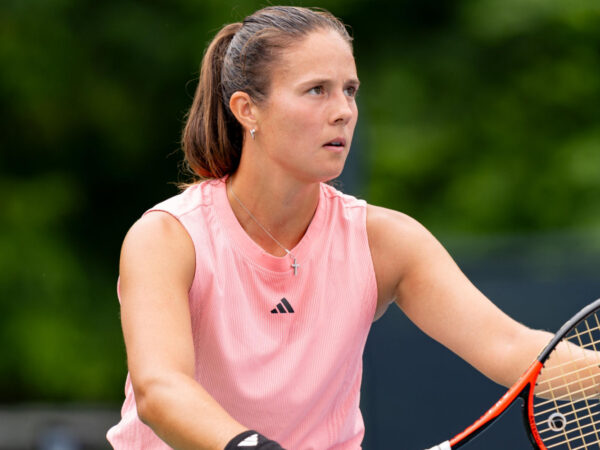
[
  {"x": 480, "y": 116},
  {"x": 488, "y": 120}
]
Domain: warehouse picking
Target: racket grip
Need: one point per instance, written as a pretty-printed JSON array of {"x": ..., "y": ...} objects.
[{"x": 442, "y": 446}]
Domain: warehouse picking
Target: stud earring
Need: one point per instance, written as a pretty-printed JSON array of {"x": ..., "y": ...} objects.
[{"x": 252, "y": 132}]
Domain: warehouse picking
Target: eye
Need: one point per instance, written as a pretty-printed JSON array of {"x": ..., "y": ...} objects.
[
  {"x": 317, "y": 90},
  {"x": 351, "y": 91}
]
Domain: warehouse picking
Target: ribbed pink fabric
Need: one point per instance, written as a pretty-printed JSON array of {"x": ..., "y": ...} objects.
[{"x": 294, "y": 377}]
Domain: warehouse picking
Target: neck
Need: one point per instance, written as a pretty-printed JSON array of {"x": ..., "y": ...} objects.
[{"x": 282, "y": 207}]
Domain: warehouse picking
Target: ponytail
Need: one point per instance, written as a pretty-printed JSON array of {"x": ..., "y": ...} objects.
[{"x": 212, "y": 137}]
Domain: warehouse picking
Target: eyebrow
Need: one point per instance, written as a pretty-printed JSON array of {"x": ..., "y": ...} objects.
[{"x": 317, "y": 81}]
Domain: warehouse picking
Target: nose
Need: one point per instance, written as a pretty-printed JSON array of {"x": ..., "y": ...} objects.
[{"x": 342, "y": 109}]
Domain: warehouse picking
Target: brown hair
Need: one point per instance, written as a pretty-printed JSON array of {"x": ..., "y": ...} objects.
[{"x": 238, "y": 59}]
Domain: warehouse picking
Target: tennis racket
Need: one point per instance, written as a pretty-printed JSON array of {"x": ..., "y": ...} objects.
[{"x": 561, "y": 402}]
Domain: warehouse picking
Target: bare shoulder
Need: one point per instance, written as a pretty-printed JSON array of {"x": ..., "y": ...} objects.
[
  {"x": 391, "y": 231},
  {"x": 384, "y": 221},
  {"x": 396, "y": 241},
  {"x": 157, "y": 242},
  {"x": 156, "y": 225}
]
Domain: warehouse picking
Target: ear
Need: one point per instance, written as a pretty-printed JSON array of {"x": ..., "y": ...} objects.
[{"x": 243, "y": 108}]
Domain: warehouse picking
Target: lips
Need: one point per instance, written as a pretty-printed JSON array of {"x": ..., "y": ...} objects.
[{"x": 337, "y": 143}]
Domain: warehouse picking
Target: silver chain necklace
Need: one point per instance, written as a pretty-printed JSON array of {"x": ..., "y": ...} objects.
[{"x": 294, "y": 265}]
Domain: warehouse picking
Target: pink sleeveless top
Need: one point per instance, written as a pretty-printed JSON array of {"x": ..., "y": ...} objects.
[{"x": 281, "y": 353}]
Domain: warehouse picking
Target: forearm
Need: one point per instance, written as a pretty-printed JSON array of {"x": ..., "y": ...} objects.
[
  {"x": 518, "y": 354},
  {"x": 184, "y": 415}
]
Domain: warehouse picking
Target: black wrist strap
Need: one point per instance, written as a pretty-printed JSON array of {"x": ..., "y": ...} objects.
[{"x": 252, "y": 440}]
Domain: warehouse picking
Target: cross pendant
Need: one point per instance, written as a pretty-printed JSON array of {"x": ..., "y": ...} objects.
[{"x": 295, "y": 266}]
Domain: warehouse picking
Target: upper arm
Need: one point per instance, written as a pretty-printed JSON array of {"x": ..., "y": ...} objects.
[
  {"x": 156, "y": 271},
  {"x": 422, "y": 278}
]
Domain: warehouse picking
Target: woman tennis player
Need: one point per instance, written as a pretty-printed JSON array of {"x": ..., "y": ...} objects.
[{"x": 246, "y": 299}]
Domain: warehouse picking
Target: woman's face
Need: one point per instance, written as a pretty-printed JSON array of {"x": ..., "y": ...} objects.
[{"x": 306, "y": 124}]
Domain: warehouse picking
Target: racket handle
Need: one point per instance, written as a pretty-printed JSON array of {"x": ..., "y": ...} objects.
[{"x": 442, "y": 446}]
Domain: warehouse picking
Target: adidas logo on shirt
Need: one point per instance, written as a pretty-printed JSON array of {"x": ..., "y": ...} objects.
[{"x": 283, "y": 307}]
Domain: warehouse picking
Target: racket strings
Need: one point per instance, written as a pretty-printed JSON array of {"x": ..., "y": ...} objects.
[
  {"x": 590, "y": 332},
  {"x": 594, "y": 420},
  {"x": 566, "y": 364},
  {"x": 584, "y": 445},
  {"x": 568, "y": 436},
  {"x": 589, "y": 345},
  {"x": 579, "y": 436},
  {"x": 548, "y": 380},
  {"x": 567, "y": 415},
  {"x": 582, "y": 390}
]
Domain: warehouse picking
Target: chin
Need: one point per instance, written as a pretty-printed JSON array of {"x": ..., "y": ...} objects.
[
  {"x": 320, "y": 173},
  {"x": 327, "y": 175}
]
